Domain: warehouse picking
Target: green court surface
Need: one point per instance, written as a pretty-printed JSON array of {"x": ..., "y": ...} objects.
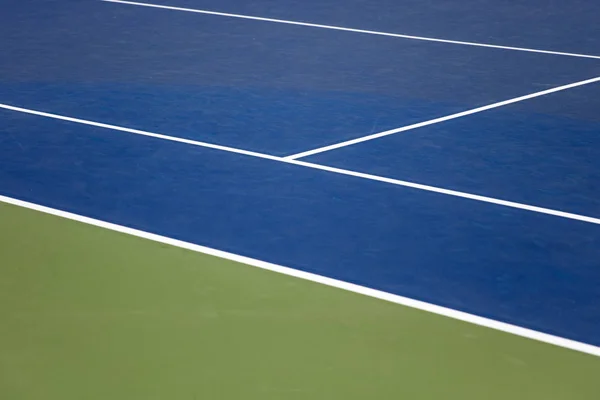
[{"x": 88, "y": 313}]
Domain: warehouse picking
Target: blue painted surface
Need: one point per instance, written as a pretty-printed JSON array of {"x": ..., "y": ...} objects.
[
  {"x": 261, "y": 86},
  {"x": 551, "y": 25},
  {"x": 278, "y": 122},
  {"x": 280, "y": 89},
  {"x": 544, "y": 152},
  {"x": 529, "y": 269}
]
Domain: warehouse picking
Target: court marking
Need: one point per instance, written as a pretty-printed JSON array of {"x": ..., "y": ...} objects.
[
  {"x": 339, "y": 171},
  {"x": 341, "y": 28},
  {"x": 138, "y": 132},
  {"x": 363, "y": 290},
  {"x": 438, "y": 120}
]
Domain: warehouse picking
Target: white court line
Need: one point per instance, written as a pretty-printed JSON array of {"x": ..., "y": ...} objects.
[
  {"x": 438, "y": 120},
  {"x": 405, "y": 301},
  {"x": 138, "y": 132},
  {"x": 340, "y": 28},
  {"x": 339, "y": 171},
  {"x": 448, "y": 192}
]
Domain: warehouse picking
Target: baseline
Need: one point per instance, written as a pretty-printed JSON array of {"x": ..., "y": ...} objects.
[
  {"x": 405, "y": 301},
  {"x": 341, "y": 28}
]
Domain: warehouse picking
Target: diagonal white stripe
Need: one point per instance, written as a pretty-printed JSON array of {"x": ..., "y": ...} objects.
[
  {"x": 405, "y": 301},
  {"x": 341, "y": 28},
  {"x": 438, "y": 120},
  {"x": 339, "y": 171}
]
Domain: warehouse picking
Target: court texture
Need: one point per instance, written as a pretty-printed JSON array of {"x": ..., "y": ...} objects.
[{"x": 287, "y": 199}]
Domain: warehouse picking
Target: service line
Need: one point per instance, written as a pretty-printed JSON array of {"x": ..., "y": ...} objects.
[
  {"x": 438, "y": 120},
  {"x": 339, "y": 171}
]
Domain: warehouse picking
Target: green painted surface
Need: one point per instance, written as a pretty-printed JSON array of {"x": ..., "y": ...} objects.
[{"x": 87, "y": 313}]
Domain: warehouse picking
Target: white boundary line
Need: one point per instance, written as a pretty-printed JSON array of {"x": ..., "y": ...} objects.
[
  {"x": 438, "y": 120},
  {"x": 340, "y": 28},
  {"x": 405, "y": 301},
  {"x": 339, "y": 171}
]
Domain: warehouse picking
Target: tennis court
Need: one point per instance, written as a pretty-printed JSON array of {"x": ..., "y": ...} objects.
[{"x": 299, "y": 199}]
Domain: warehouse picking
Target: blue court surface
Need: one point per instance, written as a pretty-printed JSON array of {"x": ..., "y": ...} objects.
[{"x": 280, "y": 89}]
